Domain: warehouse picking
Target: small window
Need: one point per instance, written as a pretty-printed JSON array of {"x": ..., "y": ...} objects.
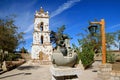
[
  {"x": 41, "y": 39},
  {"x": 41, "y": 26}
]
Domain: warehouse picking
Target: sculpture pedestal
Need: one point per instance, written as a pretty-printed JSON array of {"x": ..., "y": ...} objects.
[
  {"x": 64, "y": 73},
  {"x": 104, "y": 71}
]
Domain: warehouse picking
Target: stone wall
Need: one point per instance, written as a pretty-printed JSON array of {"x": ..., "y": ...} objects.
[
  {"x": 26, "y": 56},
  {"x": 106, "y": 73},
  {"x": 115, "y": 75},
  {"x": 98, "y": 56},
  {"x": 8, "y": 65},
  {"x": 41, "y": 62}
]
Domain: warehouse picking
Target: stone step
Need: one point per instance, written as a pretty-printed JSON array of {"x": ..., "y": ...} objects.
[{"x": 42, "y": 62}]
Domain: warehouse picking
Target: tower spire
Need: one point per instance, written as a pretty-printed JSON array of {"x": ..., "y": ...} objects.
[{"x": 41, "y": 10}]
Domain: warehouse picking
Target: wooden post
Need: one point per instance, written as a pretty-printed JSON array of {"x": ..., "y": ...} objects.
[{"x": 102, "y": 24}]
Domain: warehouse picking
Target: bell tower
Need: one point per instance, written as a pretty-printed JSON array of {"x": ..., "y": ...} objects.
[{"x": 41, "y": 36}]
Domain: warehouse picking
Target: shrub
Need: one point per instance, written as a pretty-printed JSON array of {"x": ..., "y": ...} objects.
[
  {"x": 86, "y": 55},
  {"x": 12, "y": 57},
  {"x": 111, "y": 58}
]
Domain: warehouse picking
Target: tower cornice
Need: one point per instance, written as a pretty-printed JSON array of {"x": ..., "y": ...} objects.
[
  {"x": 38, "y": 16},
  {"x": 42, "y": 31}
]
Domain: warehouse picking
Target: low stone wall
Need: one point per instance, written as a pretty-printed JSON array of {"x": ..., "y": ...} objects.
[
  {"x": 98, "y": 56},
  {"x": 8, "y": 65},
  {"x": 26, "y": 56},
  {"x": 115, "y": 75},
  {"x": 45, "y": 62},
  {"x": 42, "y": 62},
  {"x": 106, "y": 73}
]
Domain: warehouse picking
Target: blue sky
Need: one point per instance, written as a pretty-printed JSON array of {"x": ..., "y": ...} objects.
[{"x": 75, "y": 14}]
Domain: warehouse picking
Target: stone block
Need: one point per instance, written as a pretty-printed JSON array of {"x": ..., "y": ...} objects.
[
  {"x": 80, "y": 65},
  {"x": 64, "y": 73},
  {"x": 118, "y": 73},
  {"x": 113, "y": 73},
  {"x": 4, "y": 66},
  {"x": 112, "y": 78},
  {"x": 117, "y": 78},
  {"x": 45, "y": 62},
  {"x": 105, "y": 66},
  {"x": 104, "y": 71}
]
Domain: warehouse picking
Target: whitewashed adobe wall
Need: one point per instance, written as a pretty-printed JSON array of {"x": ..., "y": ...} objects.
[{"x": 41, "y": 35}]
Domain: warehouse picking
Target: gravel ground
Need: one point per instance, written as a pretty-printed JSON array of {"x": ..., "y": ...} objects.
[{"x": 30, "y": 71}]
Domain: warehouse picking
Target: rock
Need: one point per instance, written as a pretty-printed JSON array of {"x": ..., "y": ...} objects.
[{"x": 4, "y": 67}]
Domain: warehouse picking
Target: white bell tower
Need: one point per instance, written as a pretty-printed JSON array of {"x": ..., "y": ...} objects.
[{"x": 41, "y": 47}]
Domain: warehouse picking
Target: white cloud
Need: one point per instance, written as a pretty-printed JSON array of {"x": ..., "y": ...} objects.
[
  {"x": 30, "y": 28},
  {"x": 28, "y": 37},
  {"x": 115, "y": 26},
  {"x": 114, "y": 47},
  {"x": 60, "y": 9},
  {"x": 64, "y": 7}
]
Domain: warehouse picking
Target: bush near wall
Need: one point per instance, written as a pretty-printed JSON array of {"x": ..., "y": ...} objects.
[
  {"x": 86, "y": 55},
  {"x": 111, "y": 57},
  {"x": 87, "y": 59},
  {"x": 12, "y": 57},
  {"x": 9, "y": 65}
]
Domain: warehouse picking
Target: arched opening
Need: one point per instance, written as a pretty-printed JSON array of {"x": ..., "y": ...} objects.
[
  {"x": 41, "y": 55},
  {"x": 42, "y": 39},
  {"x": 41, "y": 26}
]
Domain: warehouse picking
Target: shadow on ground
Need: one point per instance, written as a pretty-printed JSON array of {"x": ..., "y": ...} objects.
[
  {"x": 28, "y": 67},
  {"x": 15, "y": 75},
  {"x": 11, "y": 75}
]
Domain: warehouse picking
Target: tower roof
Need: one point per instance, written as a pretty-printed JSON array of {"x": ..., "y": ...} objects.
[
  {"x": 41, "y": 10},
  {"x": 41, "y": 13}
]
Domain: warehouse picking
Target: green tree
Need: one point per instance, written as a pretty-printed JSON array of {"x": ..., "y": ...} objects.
[
  {"x": 55, "y": 37},
  {"x": 10, "y": 38},
  {"x": 96, "y": 39},
  {"x": 87, "y": 44},
  {"x": 118, "y": 38},
  {"x": 23, "y": 50},
  {"x": 90, "y": 44},
  {"x": 110, "y": 39}
]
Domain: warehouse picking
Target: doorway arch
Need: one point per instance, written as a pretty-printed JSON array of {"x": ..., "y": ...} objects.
[{"x": 41, "y": 55}]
